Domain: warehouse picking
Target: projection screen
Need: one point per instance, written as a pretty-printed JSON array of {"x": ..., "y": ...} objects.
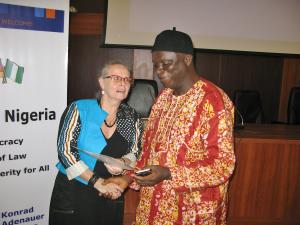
[{"x": 269, "y": 26}]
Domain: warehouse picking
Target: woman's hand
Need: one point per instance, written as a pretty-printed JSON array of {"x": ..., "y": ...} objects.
[
  {"x": 121, "y": 181},
  {"x": 109, "y": 190},
  {"x": 115, "y": 170}
]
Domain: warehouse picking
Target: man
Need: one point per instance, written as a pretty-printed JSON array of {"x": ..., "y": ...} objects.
[{"x": 187, "y": 143}]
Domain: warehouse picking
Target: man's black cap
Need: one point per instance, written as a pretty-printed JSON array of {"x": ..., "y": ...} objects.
[{"x": 173, "y": 41}]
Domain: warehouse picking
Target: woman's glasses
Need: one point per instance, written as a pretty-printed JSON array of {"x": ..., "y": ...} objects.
[{"x": 119, "y": 79}]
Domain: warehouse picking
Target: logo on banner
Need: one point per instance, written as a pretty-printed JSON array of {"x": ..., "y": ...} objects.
[{"x": 11, "y": 71}]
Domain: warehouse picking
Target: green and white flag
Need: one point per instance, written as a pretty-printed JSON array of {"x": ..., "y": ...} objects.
[
  {"x": 1, "y": 69},
  {"x": 14, "y": 71}
]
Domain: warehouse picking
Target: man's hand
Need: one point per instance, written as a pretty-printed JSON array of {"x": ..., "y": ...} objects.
[
  {"x": 158, "y": 174},
  {"x": 110, "y": 190}
]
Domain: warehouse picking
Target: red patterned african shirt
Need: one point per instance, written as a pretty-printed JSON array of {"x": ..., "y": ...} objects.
[{"x": 192, "y": 134}]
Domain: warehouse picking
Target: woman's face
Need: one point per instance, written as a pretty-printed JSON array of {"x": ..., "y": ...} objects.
[{"x": 116, "y": 83}]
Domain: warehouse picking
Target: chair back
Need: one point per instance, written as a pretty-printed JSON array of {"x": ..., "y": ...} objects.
[
  {"x": 142, "y": 96},
  {"x": 248, "y": 106},
  {"x": 293, "y": 112}
]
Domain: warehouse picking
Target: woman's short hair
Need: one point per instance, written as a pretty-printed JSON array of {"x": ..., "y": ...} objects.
[
  {"x": 104, "y": 71},
  {"x": 105, "y": 68}
]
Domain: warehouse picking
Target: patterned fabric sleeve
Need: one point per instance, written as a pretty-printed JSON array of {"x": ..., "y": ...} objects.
[
  {"x": 216, "y": 134},
  {"x": 68, "y": 134}
]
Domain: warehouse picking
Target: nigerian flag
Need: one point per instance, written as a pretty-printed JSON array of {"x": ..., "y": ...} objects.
[
  {"x": 1, "y": 69},
  {"x": 13, "y": 71}
]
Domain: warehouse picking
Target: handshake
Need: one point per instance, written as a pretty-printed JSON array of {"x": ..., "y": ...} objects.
[{"x": 113, "y": 187}]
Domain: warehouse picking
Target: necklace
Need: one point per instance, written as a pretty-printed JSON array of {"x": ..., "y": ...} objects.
[
  {"x": 105, "y": 122},
  {"x": 110, "y": 126}
]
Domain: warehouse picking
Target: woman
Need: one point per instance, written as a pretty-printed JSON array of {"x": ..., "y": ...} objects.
[{"x": 105, "y": 126}]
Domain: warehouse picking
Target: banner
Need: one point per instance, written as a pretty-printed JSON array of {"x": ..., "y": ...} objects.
[{"x": 33, "y": 95}]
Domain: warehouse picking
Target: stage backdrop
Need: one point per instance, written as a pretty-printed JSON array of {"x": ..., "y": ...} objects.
[{"x": 33, "y": 95}]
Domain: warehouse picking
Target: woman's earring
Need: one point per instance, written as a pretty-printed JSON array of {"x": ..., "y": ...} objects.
[{"x": 102, "y": 92}]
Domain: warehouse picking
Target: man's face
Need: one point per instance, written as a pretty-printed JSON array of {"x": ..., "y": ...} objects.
[{"x": 169, "y": 67}]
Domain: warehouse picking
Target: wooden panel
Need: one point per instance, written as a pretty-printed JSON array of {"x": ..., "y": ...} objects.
[
  {"x": 290, "y": 78},
  {"x": 131, "y": 202},
  {"x": 233, "y": 71},
  {"x": 208, "y": 65},
  {"x": 269, "y": 133},
  {"x": 86, "y": 23},
  {"x": 265, "y": 187},
  {"x": 262, "y": 73}
]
